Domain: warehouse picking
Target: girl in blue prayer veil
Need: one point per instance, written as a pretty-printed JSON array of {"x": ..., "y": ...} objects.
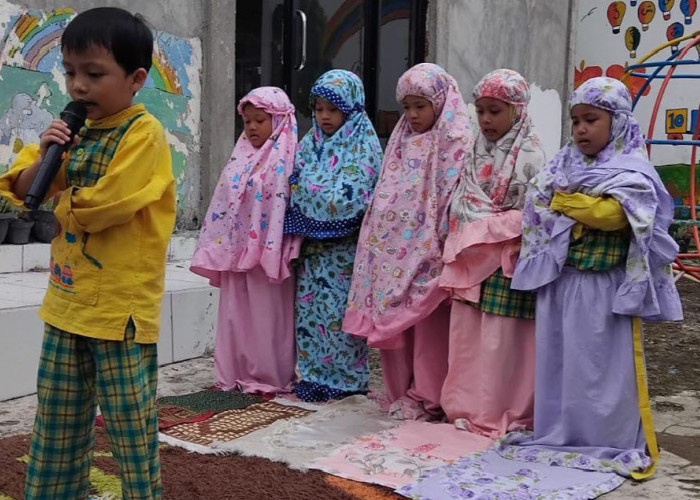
[{"x": 336, "y": 168}]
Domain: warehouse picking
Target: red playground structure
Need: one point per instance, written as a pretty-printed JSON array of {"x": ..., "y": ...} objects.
[{"x": 685, "y": 224}]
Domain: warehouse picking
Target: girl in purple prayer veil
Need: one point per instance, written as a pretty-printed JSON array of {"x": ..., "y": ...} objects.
[{"x": 596, "y": 249}]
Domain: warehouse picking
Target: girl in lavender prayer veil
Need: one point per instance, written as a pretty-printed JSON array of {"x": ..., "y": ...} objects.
[{"x": 596, "y": 249}]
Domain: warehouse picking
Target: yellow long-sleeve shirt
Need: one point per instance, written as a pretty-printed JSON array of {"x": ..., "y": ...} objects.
[
  {"x": 598, "y": 212},
  {"x": 117, "y": 213}
]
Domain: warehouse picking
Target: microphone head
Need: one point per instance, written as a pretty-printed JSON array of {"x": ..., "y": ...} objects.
[{"x": 74, "y": 115}]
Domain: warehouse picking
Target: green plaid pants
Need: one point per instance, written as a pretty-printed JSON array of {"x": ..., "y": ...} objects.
[{"x": 75, "y": 374}]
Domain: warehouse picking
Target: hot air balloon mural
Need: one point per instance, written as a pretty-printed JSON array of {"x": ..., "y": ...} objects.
[
  {"x": 674, "y": 31},
  {"x": 632, "y": 37},
  {"x": 616, "y": 12},
  {"x": 645, "y": 13},
  {"x": 665, "y": 7},
  {"x": 688, "y": 9}
]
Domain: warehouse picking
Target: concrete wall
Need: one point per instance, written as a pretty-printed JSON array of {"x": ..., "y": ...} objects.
[
  {"x": 219, "y": 93},
  {"x": 205, "y": 139},
  {"x": 471, "y": 38},
  {"x": 179, "y": 17}
]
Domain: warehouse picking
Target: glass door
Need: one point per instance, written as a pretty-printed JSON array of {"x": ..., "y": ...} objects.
[
  {"x": 325, "y": 34},
  {"x": 259, "y": 45},
  {"x": 290, "y": 43}
]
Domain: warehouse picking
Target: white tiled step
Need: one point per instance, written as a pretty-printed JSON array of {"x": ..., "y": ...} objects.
[
  {"x": 188, "y": 323},
  {"x": 35, "y": 256}
]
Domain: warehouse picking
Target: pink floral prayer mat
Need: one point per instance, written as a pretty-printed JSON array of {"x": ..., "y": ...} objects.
[{"x": 398, "y": 456}]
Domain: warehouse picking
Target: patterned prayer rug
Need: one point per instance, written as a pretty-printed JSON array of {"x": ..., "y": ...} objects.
[
  {"x": 210, "y": 400},
  {"x": 299, "y": 442},
  {"x": 399, "y": 456},
  {"x": 232, "y": 424},
  {"x": 489, "y": 475},
  {"x": 169, "y": 416},
  {"x": 196, "y": 407}
]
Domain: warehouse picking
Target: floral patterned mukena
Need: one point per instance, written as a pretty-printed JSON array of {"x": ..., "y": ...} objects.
[
  {"x": 334, "y": 175},
  {"x": 399, "y": 255},
  {"x": 620, "y": 170},
  {"x": 331, "y": 186},
  {"x": 497, "y": 173},
  {"x": 243, "y": 225},
  {"x": 486, "y": 204}
]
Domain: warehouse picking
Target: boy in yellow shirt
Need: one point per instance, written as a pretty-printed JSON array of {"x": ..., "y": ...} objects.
[{"x": 115, "y": 197}]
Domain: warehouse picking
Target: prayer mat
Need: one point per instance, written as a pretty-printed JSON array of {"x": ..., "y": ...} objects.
[
  {"x": 489, "y": 475},
  {"x": 301, "y": 441},
  {"x": 231, "y": 424},
  {"x": 169, "y": 416},
  {"x": 210, "y": 400},
  {"x": 399, "y": 456},
  {"x": 215, "y": 477}
]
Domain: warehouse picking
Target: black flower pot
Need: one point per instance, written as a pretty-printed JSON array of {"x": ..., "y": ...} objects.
[
  {"x": 5, "y": 220},
  {"x": 44, "y": 229},
  {"x": 20, "y": 230}
]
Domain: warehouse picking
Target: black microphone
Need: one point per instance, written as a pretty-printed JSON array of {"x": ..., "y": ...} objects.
[{"x": 74, "y": 115}]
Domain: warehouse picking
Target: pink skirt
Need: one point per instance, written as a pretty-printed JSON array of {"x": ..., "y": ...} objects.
[
  {"x": 255, "y": 349},
  {"x": 414, "y": 374},
  {"x": 491, "y": 375}
]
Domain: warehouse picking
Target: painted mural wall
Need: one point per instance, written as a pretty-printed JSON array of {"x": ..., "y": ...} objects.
[
  {"x": 611, "y": 35},
  {"x": 32, "y": 90}
]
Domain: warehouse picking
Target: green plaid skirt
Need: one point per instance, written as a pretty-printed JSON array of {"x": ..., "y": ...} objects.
[
  {"x": 498, "y": 298},
  {"x": 597, "y": 250},
  {"x": 594, "y": 250}
]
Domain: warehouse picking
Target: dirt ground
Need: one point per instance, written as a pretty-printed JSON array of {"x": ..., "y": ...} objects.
[
  {"x": 673, "y": 349},
  {"x": 673, "y": 364}
]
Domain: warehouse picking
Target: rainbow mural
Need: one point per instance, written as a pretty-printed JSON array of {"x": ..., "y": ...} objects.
[
  {"x": 164, "y": 76},
  {"x": 348, "y": 19},
  {"x": 32, "y": 90},
  {"x": 32, "y": 36},
  {"x": 32, "y": 41}
]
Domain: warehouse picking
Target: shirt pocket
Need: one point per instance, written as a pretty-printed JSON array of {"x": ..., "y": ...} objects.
[{"x": 76, "y": 275}]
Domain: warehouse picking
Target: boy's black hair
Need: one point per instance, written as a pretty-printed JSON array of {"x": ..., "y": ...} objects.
[{"x": 125, "y": 35}]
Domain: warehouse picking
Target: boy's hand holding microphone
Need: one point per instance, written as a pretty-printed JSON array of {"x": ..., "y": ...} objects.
[{"x": 56, "y": 140}]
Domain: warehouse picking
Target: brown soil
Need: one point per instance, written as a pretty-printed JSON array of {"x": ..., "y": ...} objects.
[
  {"x": 687, "y": 447},
  {"x": 672, "y": 349}
]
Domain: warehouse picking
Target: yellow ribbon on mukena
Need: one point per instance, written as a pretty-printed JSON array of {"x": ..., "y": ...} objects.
[{"x": 644, "y": 406}]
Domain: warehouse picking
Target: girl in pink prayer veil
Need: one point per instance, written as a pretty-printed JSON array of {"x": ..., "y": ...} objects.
[
  {"x": 243, "y": 251},
  {"x": 395, "y": 301}
]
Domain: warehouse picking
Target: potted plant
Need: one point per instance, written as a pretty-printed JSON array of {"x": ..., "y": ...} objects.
[
  {"x": 6, "y": 216},
  {"x": 44, "y": 229},
  {"x": 20, "y": 229}
]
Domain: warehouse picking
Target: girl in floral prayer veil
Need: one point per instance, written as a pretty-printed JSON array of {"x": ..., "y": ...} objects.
[
  {"x": 336, "y": 167},
  {"x": 395, "y": 301},
  {"x": 242, "y": 250},
  {"x": 597, "y": 250},
  {"x": 490, "y": 379}
]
